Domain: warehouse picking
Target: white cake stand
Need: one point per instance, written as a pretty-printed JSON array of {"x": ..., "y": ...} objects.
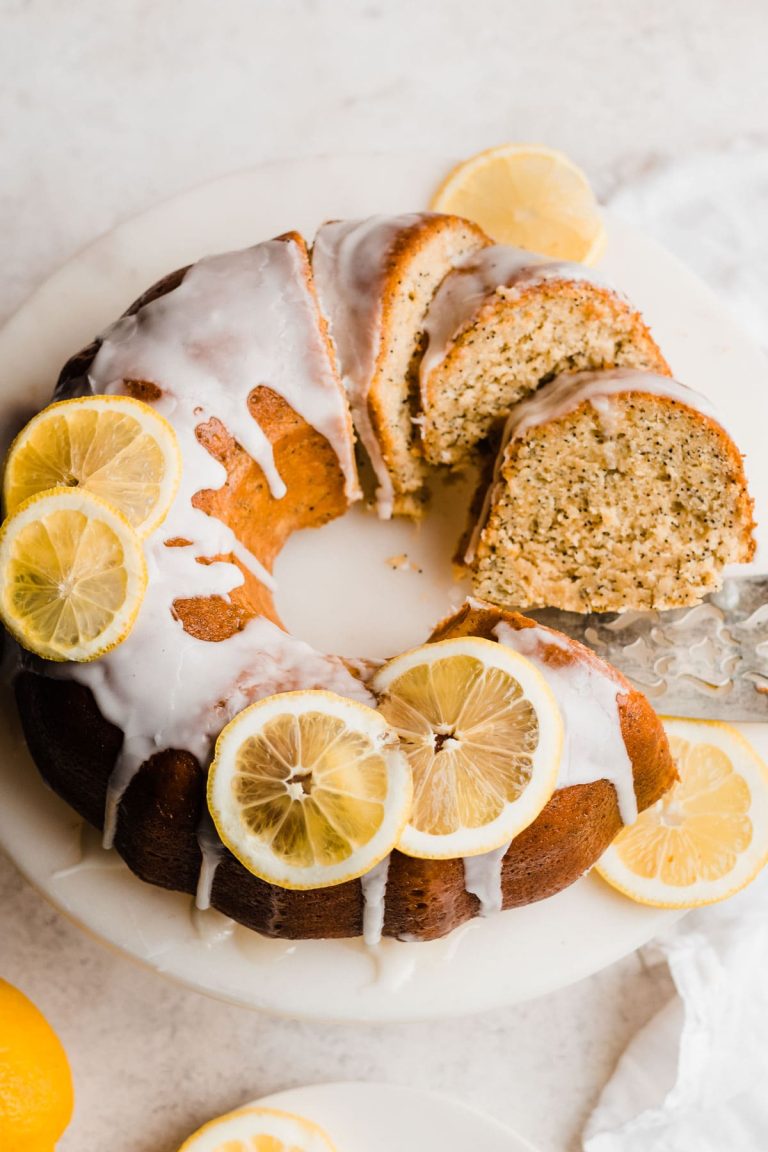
[{"x": 355, "y": 604}]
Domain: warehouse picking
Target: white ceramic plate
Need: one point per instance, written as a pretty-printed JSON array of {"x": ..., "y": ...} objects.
[
  {"x": 374, "y": 610},
  {"x": 389, "y": 1117}
]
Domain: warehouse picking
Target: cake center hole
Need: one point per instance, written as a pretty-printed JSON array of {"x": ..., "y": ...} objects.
[{"x": 363, "y": 587}]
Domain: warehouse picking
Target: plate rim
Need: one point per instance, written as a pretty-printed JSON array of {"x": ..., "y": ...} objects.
[{"x": 395, "y": 1090}]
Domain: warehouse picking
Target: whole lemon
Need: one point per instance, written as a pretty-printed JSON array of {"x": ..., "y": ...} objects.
[{"x": 36, "y": 1097}]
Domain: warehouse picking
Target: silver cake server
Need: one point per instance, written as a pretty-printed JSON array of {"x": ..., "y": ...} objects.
[{"x": 708, "y": 662}]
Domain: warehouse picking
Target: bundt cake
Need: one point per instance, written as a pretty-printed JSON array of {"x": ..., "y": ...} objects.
[
  {"x": 502, "y": 323},
  {"x": 614, "y": 490},
  {"x": 375, "y": 279},
  {"x": 235, "y": 353}
]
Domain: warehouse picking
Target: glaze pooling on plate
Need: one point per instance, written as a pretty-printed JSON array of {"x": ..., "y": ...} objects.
[
  {"x": 235, "y": 321},
  {"x": 593, "y": 745},
  {"x": 499, "y": 267}
]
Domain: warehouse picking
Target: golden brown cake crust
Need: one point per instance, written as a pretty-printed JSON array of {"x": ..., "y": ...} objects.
[
  {"x": 75, "y": 747},
  {"x": 408, "y": 241}
]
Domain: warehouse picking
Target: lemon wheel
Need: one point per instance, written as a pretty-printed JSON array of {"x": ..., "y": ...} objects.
[
  {"x": 259, "y": 1130},
  {"x": 706, "y": 838},
  {"x": 115, "y": 447},
  {"x": 309, "y": 789},
  {"x": 483, "y": 735},
  {"x": 74, "y": 575},
  {"x": 530, "y": 196}
]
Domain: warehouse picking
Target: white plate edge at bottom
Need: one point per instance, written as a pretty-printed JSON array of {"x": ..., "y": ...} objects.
[{"x": 400, "y": 1098}]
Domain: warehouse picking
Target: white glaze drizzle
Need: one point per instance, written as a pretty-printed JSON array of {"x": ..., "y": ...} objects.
[
  {"x": 593, "y": 745},
  {"x": 211, "y": 850},
  {"x": 374, "y": 885},
  {"x": 482, "y": 878},
  {"x": 464, "y": 291},
  {"x": 236, "y": 321},
  {"x": 564, "y": 394},
  {"x": 349, "y": 262}
]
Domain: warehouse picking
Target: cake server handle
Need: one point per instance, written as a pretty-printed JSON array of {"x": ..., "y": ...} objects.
[{"x": 708, "y": 662}]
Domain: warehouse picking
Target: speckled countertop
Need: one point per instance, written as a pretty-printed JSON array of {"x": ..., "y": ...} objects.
[{"x": 105, "y": 109}]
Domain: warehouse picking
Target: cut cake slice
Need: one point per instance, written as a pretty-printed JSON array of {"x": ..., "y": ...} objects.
[
  {"x": 613, "y": 490},
  {"x": 375, "y": 279},
  {"x": 503, "y": 323}
]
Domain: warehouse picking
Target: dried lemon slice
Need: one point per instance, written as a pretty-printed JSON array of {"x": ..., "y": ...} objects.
[
  {"x": 309, "y": 789},
  {"x": 259, "y": 1130},
  {"x": 483, "y": 734},
  {"x": 708, "y": 836},
  {"x": 73, "y": 575},
  {"x": 114, "y": 446},
  {"x": 527, "y": 195}
]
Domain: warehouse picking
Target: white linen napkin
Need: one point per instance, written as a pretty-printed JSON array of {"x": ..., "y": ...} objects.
[{"x": 695, "y": 1078}]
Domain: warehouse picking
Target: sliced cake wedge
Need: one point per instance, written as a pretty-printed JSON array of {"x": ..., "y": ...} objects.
[
  {"x": 375, "y": 279},
  {"x": 613, "y": 490},
  {"x": 503, "y": 323}
]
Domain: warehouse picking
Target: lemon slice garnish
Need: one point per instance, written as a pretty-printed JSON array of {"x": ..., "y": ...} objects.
[
  {"x": 708, "y": 836},
  {"x": 259, "y": 1130},
  {"x": 309, "y": 789},
  {"x": 116, "y": 447},
  {"x": 73, "y": 575},
  {"x": 483, "y": 734},
  {"x": 530, "y": 196}
]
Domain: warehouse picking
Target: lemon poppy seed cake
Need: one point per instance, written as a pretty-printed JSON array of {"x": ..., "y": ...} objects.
[
  {"x": 158, "y": 734},
  {"x": 614, "y": 490},
  {"x": 375, "y": 280},
  {"x": 504, "y": 322}
]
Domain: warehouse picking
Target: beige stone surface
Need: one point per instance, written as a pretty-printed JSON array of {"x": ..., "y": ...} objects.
[{"x": 104, "y": 109}]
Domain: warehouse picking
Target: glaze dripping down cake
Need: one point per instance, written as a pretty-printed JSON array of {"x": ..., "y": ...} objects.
[{"x": 241, "y": 354}]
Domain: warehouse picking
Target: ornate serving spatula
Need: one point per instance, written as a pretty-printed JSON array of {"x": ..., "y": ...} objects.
[{"x": 708, "y": 662}]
